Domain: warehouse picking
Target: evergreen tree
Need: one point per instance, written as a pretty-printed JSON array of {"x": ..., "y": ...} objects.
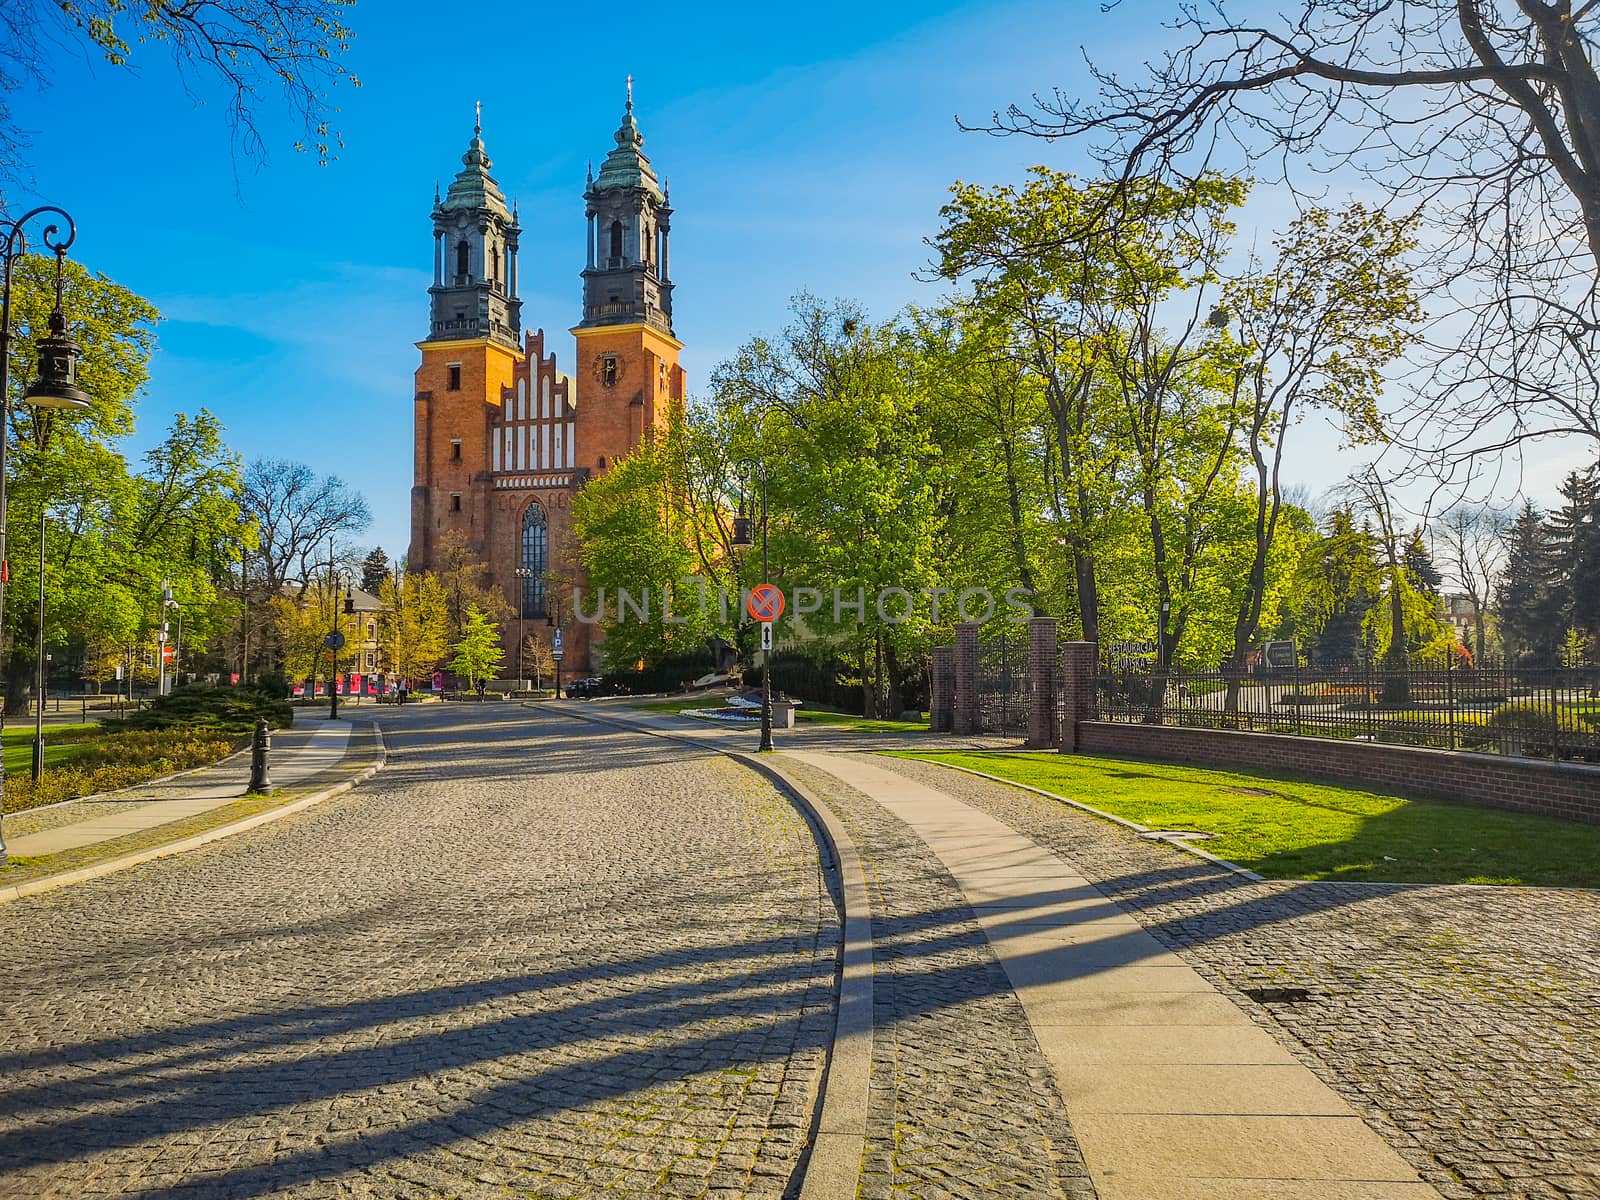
[
  {"x": 1529, "y": 597},
  {"x": 1573, "y": 532},
  {"x": 1424, "y": 576},
  {"x": 1339, "y": 582},
  {"x": 374, "y": 570}
]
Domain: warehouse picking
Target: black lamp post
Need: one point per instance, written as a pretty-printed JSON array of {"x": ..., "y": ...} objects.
[
  {"x": 343, "y": 602},
  {"x": 523, "y": 575},
  {"x": 743, "y": 541},
  {"x": 57, "y": 385}
]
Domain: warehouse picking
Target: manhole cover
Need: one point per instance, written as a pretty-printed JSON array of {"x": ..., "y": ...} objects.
[
  {"x": 1278, "y": 995},
  {"x": 1178, "y": 835}
]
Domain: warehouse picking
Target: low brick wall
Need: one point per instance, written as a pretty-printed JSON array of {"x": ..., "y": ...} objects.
[{"x": 1564, "y": 790}]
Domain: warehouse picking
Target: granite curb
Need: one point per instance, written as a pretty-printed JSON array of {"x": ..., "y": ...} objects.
[{"x": 831, "y": 1164}]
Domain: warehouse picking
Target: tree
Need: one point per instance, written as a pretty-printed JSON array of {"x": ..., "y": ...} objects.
[
  {"x": 1337, "y": 584},
  {"x": 1477, "y": 114},
  {"x": 478, "y": 653},
  {"x": 245, "y": 47},
  {"x": 1573, "y": 533},
  {"x": 635, "y": 530},
  {"x": 1315, "y": 330},
  {"x": 537, "y": 660},
  {"x": 1529, "y": 597},
  {"x": 1473, "y": 546},
  {"x": 415, "y": 628},
  {"x": 296, "y": 516},
  {"x": 988, "y": 416},
  {"x": 113, "y": 534},
  {"x": 374, "y": 570},
  {"x": 461, "y": 573},
  {"x": 1067, "y": 266},
  {"x": 831, "y": 430}
]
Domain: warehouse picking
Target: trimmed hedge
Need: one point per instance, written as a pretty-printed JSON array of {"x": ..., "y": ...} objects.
[{"x": 219, "y": 709}]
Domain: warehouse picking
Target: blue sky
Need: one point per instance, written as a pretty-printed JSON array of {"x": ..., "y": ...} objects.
[{"x": 807, "y": 149}]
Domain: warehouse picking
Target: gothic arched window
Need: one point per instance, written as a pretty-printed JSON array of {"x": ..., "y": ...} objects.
[
  {"x": 535, "y": 551},
  {"x": 616, "y": 239},
  {"x": 463, "y": 261}
]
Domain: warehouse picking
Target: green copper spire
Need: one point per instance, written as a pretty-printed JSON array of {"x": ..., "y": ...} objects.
[
  {"x": 474, "y": 187},
  {"x": 626, "y": 166}
]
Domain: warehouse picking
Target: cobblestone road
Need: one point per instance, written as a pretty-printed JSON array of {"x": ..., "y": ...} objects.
[
  {"x": 1463, "y": 1023},
  {"x": 531, "y": 958},
  {"x": 962, "y": 1102}
]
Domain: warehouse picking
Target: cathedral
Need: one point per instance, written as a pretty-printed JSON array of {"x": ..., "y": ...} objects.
[{"x": 504, "y": 439}]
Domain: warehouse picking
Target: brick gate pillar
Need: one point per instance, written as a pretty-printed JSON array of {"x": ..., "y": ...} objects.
[
  {"x": 1078, "y": 663},
  {"x": 1044, "y": 728},
  {"x": 965, "y": 717},
  {"x": 941, "y": 690}
]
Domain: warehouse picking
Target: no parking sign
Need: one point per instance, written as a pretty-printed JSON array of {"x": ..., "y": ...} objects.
[{"x": 765, "y": 602}]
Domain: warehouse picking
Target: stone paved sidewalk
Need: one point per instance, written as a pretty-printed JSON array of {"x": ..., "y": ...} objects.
[
  {"x": 962, "y": 1103},
  {"x": 298, "y": 754},
  {"x": 1463, "y": 1023}
]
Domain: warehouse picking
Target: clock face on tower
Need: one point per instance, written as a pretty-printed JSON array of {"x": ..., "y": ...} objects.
[{"x": 608, "y": 369}]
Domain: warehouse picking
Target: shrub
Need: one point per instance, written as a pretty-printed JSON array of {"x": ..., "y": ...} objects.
[
  {"x": 225, "y": 710},
  {"x": 118, "y": 760}
]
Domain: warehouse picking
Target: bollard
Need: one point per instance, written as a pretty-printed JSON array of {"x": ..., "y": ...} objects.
[{"x": 260, "y": 780}]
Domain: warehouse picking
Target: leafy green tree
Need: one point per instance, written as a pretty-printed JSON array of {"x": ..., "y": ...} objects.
[
  {"x": 827, "y": 414},
  {"x": 1076, "y": 271},
  {"x": 415, "y": 629},
  {"x": 113, "y": 534},
  {"x": 636, "y": 532},
  {"x": 1337, "y": 584},
  {"x": 478, "y": 653},
  {"x": 989, "y": 420},
  {"x": 1314, "y": 329}
]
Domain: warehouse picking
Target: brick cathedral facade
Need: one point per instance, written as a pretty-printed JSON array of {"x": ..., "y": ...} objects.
[{"x": 504, "y": 439}]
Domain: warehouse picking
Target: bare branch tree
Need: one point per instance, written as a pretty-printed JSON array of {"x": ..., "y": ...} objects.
[
  {"x": 246, "y": 48},
  {"x": 1482, "y": 116},
  {"x": 1472, "y": 539}
]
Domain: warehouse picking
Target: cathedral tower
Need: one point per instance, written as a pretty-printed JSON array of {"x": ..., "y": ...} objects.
[
  {"x": 627, "y": 354},
  {"x": 468, "y": 359},
  {"x": 505, "y": 440}
]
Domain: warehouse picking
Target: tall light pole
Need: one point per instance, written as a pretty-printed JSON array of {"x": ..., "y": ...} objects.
[
  {"x": 345, "y": 603},
  {"x": 57, "y": 384},
  {"x": 743, "y": 541},
  {"x": 523, "y": 575}
]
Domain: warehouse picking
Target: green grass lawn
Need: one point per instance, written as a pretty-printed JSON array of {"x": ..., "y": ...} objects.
[
  {"x": 1288, "y": 828},
  {"x": 804, "y": 716},
  {"x": 62, "y": 744}
]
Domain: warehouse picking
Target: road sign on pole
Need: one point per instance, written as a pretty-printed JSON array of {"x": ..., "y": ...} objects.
[
  {"x": 765, "y": 602},
  {"x": 766, "y": 635}
]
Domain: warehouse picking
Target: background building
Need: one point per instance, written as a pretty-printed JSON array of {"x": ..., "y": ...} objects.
[{"x": 504, "y": 439}]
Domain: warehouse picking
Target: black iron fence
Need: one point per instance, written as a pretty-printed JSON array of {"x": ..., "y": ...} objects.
[
  {"x": 1003, "y": 684},
  {"x": 1549, "y": 712}
]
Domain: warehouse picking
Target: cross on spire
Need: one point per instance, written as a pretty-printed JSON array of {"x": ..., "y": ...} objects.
[
  {"x": 477, "y": 119},
  {"x": 630, "y": 93}
]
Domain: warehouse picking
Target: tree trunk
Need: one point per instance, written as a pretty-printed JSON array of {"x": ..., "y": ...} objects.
[{"x": 19, "y": 674}]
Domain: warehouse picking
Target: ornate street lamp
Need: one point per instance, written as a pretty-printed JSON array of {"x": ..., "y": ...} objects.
[{"x": 56, "y": 388}]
